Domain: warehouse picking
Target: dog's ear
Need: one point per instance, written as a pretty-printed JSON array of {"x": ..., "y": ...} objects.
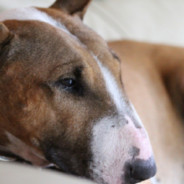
[
  {"x": 5, "y": 38},
  {"x": 72, "y": 7},
  {"x": 5, "y": 35}
]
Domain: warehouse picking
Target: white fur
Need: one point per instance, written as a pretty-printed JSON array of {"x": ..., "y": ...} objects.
[
  {"x": 31, "y": 14},
  {"x": 112, "y": 87},
  {"x": 107, "y": 158},
  {"x": 134, "y": 112},
  {"x": 112, "y": 146},
  {"x": 116, "y": 93}
]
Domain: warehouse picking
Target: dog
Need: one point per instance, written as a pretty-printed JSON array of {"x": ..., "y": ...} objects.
[{"x": 63, "y": 101}]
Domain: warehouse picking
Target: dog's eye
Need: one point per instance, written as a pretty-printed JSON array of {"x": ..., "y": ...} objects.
[
  {"x": 70, "y": 85},
  {"x": 114, "y": 54},
  {"x": 67, "y": 83}
]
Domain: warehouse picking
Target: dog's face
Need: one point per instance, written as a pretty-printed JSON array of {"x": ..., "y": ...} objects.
[{"x": 62, "y": 98}]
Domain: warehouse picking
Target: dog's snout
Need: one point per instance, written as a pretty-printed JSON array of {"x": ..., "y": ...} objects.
[{"x": 139, "y": 170}]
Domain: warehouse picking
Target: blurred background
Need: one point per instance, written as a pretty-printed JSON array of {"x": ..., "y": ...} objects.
[{"x": 157, "y": 21}]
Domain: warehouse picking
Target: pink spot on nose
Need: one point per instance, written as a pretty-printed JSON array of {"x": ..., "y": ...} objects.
[{"x": 139, "y": 139}]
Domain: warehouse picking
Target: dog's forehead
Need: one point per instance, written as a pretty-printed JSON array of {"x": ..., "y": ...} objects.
[
  {"x": 51, "y": 37},
  {"x": 72, "y": 26},
  {"x": 85, "y": 35},
  {"x": 73, "y": 33}
]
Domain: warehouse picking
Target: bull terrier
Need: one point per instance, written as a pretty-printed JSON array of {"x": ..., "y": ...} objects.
[{"x": 63, "y": 101}]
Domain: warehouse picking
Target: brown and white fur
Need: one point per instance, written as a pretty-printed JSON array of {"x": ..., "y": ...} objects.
[{"x": 62, "y": 98}]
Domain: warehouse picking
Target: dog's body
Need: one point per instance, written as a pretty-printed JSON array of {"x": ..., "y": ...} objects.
[{"x": 63, "y": 101}]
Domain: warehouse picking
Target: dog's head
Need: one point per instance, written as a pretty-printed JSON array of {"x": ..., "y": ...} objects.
[{"x": 62, "y": 98}]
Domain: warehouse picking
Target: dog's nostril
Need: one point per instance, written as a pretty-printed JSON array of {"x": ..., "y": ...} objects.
[
  {"x": 126, "y": 121},
  {"x": 139, "y": 170},
  {"x": 131, "y": 170},
  {"x": 132, "y": 173}
]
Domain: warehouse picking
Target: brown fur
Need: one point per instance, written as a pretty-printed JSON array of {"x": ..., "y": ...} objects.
[
  {"x": 33, "y": 103},
  {"x": 72, "y": 7}
]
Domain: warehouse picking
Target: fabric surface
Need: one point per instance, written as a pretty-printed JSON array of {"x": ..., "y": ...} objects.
[
  {"x": 10, "y": 174},
  {"x": 159, "y": 21}
]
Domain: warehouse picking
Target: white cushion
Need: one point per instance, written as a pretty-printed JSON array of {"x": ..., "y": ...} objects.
[
  {"x": 160, "y": 21},
  {"x": 24, "y": 174}
]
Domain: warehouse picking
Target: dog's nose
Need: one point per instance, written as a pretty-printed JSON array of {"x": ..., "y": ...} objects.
[{"x": 139, "y": 170}]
